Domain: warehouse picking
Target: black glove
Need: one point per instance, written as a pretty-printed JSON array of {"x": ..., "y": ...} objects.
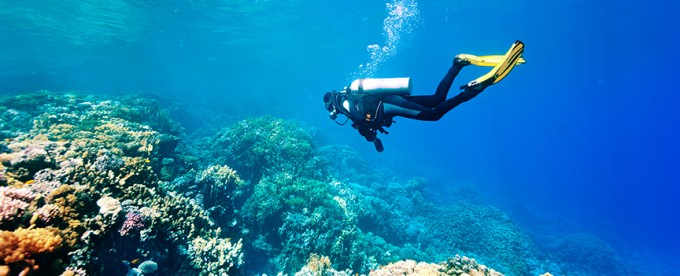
[
  {"x": 378, "y": 145},
  {"x": 368, "y": 133}
]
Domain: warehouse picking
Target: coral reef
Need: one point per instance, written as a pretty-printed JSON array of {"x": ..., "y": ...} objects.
[
  {"x": 408, "y": 267},
  {"x": 353, "y": 215},
  {"x": 134, "y": 223},
  {"x": 259, "y": 145},
  {"x": 319, "y": 266},
  {"x": 484, "y": 231},
  {"x": 456, "y": 266},
  {"x": 89, "y": 170},
  {"x": 13, "y": 203},
  {"x": 22, "y": 244},
  {"x": 101, "y": 186},
  {"x": 298, "y": 217},
  {"x": 146, "y": 267},
  {"x": 585, "y": 254},
  {"x": 216, "y": 256},
  {"x": 461, "y": 265}
]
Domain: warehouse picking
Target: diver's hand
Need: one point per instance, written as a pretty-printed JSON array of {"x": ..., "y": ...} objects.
[{"x": 368, "y": 133}]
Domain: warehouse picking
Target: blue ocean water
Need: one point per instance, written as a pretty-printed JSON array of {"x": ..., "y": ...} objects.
[{"x": 582, "y": 138}]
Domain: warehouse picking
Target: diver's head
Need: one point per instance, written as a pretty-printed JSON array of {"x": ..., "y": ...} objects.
[
  {"x": 330, "y": 106},
  {"x": 327, "y": 99}
]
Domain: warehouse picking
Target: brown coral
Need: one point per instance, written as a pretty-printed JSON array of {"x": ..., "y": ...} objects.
[
  {"x": 318, "y": 263},
  {"x": 69, "y": 206},
  {"x": 22, "y": 244},
  {"x": 319, "y": 266},
  {"x": 463, "y": 265}
]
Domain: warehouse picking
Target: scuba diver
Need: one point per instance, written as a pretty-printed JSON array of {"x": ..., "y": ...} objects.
[{"x": 371, "y": 104}]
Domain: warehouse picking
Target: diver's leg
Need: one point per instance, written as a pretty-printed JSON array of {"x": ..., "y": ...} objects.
[
  {"x": 398, "y": 106},
  {"x": 440, "y": 110},
  {"x": 442, "y": 90}
]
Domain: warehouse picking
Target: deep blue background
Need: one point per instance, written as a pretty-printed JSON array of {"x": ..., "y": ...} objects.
[{"x": 585, "y": 134}]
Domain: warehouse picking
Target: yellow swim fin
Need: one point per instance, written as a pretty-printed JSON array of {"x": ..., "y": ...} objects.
[
  {"x": 502, "y": 69},
  {"x": 490, "y": 61}
]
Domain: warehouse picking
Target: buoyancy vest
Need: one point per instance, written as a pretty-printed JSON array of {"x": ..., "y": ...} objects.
[{"x": 367, "y": 114}]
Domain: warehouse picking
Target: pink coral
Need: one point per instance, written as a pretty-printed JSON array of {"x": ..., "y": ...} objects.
[
  {"x": 133, "y": 222},
  {"x": 23, "y": 194},
  {"x": 13, "y": 202},
  {"x": 31, "y": 155},
  {"x": 48, "y": 212}
]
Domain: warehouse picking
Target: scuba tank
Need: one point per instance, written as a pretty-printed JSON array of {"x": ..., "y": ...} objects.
[{"x": 384, "y": 86}]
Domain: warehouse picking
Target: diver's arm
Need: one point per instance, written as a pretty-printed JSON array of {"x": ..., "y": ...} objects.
[{"x": 371, "y": 135}]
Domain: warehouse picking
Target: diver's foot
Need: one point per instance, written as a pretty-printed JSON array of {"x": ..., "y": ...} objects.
[
  {"x": 461, "y": 60},
  {"x": 500, "y": 70},
  {"x": 475, "y": 85}
]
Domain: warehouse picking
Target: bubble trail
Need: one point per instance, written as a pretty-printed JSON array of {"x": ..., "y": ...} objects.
[{"x": 402, "y": 18}]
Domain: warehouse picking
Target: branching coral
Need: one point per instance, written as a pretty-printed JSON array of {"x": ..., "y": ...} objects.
[
  {"x": 70, "y": 213},
  {"x": 181, "y": 217},
  {"x": 13, "y": 202},
  {"x": 134, "y": 222},
  {"x": 22, "y": 244},
  {"x": 215, "y": 256},
  {"x": 319, "y": 266}
]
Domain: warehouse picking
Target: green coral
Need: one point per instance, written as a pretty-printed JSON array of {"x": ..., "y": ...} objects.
[
  {"x": 148, "y": 111},
  {"x": 293, "y": 217},
  {"x": 294, "y": 212},
  {"x": 256, "y": 146}
]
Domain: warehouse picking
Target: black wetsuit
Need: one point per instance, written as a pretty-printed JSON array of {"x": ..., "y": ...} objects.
[
  {"x": 431, "y": 107},
  {"x": 370, "y": 113}
]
